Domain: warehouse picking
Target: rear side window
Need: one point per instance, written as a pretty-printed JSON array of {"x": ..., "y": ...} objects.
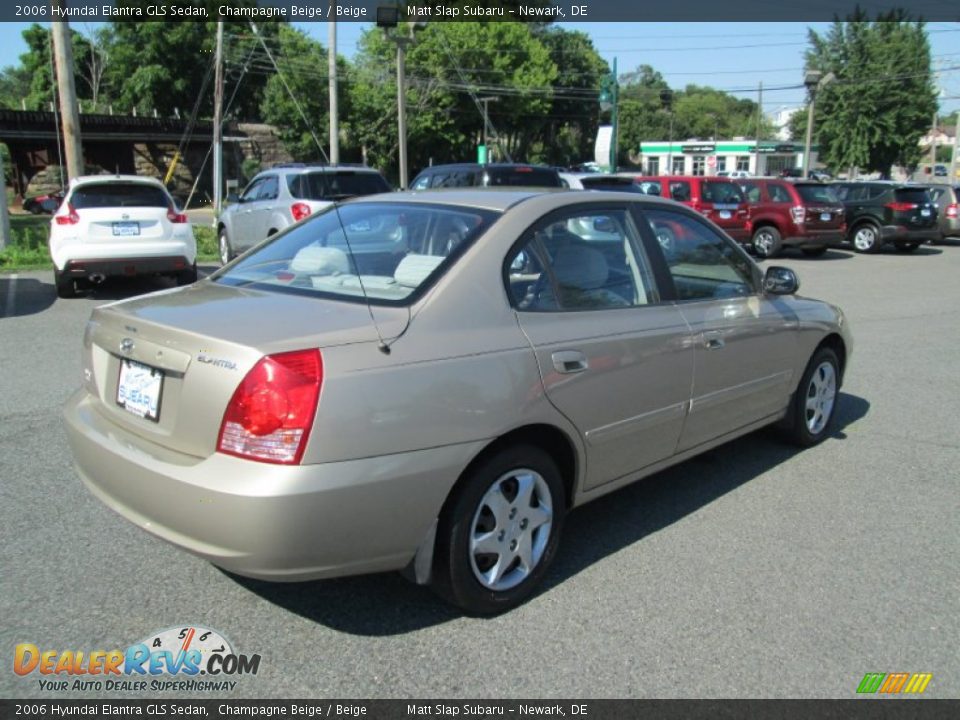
[
  {"x": 650, "y": 187},
  {"x": 752, "y": 192},
  {"x": 778, "y": 193},
  {"x": 335, "y": 185},
  {"x": 721, "y": 192},
  {"x": 523, "y": 177},
  {"x": 912, "y": 195},
  {"x": 817, "y": 193},
  {"x": 118, "y": 195}
]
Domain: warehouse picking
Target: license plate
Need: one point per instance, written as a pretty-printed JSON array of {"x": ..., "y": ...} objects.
[
  {"x": 925, "y": 212},
  {"x": 126, "y": 229},
  {"x": 825, "y": 217},
  {"x": 139, "y": 389},
  {"x": 725, "y": 215}
]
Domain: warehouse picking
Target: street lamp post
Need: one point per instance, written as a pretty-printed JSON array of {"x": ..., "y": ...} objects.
[{"x": 815, "y": 81}]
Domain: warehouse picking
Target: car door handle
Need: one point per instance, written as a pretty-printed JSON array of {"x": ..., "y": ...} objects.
[{"x": 569, "y": 361}]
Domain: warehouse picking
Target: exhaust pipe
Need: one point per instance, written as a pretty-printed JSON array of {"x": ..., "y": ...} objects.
[{"x": 97, "y": 278}]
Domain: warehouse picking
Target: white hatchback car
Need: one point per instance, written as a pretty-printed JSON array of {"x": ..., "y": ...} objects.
[{"x": 119, "y": 225}]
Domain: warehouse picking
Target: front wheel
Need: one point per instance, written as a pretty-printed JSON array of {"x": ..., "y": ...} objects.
[
  {"x": 815, "y": 400},
  {"x": 500, "y": 531},
  {"x": 223, "y": 243}
]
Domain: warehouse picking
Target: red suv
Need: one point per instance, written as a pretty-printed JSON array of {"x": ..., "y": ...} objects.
[
  {"x": 716, "y": 198},
  {"x": 807, "y": 215}
]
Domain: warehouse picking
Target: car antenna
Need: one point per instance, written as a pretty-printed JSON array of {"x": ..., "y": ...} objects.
[{"x": 382, "y": 345}]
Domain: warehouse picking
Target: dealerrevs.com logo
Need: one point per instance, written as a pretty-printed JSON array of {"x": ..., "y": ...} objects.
[{"x": 187, "y": 659}]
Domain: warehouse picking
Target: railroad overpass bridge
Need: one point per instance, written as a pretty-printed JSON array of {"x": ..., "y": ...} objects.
[{"x": 130, "y": 144}]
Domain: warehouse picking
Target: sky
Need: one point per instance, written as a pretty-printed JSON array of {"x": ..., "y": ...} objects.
[{"x": 734, "y": 57}]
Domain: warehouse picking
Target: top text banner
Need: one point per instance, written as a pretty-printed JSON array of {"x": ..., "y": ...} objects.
[{"x": 371, "y": 11}]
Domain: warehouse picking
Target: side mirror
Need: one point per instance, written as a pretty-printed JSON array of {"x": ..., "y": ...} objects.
[
  {"x": 233, "y": 198},
  {"x": 780, "y": 281}
]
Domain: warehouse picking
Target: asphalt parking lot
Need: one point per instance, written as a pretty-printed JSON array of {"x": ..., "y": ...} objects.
[{"x": 753, "y": 571}]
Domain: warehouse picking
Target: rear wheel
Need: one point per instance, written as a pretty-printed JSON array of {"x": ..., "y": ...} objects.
[
  {"x": 812, "y": 409},
  {"x": 500, "y": 531},
  {"x": 767, "y": 242},
  {"x": 66, "y": 285},
  {"x": 866, "y": 239},
  {"x": 226, "y": 251},
  {"x": 188, "y": 276},
  {"x": 814, "y": 251}
]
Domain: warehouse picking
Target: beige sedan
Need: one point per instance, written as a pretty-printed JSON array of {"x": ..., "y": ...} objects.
[{"x": 430, "y": 381}]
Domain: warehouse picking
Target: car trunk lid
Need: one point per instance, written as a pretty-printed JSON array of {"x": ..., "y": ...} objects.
[{"x": 164, "y": 367}]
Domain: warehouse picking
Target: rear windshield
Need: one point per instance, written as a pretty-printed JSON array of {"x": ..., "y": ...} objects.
[
  {"x": 611, "y": 183},
  {"x": 912, "y": 195},
  {"x": 524, "y": 177},
  {"x": 389, "y": 251},
  {"x": 720, "y": 192},
  {"x": 335, "y": 185},
  {"x": 817, "y": 193},
  {"x": 109, "y": 195}
]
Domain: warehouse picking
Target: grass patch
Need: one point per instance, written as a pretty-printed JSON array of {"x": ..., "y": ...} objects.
[{"x": 28, "y": 246}]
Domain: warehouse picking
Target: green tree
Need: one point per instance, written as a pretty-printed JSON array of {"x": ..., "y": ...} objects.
[
  {"x": 301, "y": 114},
  {"x": 880, "y": 104},
  {"x": 36, "y": 65}
]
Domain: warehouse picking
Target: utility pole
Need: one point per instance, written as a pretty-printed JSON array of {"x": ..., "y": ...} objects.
[
  {"x": 402, "y": 107},
  {"x": 218, "y": 125},
  {"x": 69, "y": 114},
  {"x": 933, "y": 146},
  {"x": 756, "y": 147},
  {"x": 486, "y": 122},
  {"x": 815, "y": 81},
  {"x": 614, "y": 119},
  {"x": 332, "y": 81},
  {"x": 4, "y": 215},
  {"x": 956, "y": 141}
]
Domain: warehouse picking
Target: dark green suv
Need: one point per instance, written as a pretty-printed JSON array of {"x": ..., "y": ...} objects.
[{"x": 879, "y": 213}]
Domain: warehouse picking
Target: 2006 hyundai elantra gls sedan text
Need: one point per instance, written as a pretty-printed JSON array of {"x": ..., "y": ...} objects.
[{"x": 430, "y": 381}]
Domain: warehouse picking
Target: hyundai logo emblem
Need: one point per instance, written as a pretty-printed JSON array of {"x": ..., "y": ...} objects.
[{"x": 126, "y": 346}]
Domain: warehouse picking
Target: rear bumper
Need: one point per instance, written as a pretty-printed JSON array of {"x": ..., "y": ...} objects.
[
  {"x": 272, "y": 522},
  {"x": 901, "y": 233},
  {"x": 126, "y": 267}
]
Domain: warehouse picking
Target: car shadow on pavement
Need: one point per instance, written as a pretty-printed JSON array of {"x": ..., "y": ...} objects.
[
  {"x": 831, "y": 254},
  {"x": 24, "y": 296},
  {"x": 387, "y": 604}
]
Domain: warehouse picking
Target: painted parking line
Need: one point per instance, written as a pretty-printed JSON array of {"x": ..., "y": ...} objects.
[{"x": 10, "y": 305}]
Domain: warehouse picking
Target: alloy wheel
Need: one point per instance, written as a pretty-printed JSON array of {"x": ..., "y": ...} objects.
[
  {"x": 821, "y": 396},
  {"x": 510, "y": 529}
]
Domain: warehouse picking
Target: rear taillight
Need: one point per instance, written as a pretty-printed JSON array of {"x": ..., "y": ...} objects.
[
  {"x": 798, "y": 213},
  {"x": 901, "y": 206},
  {"x": 299, "y": 211},
  {"x": 71, "y": 217},
  {"x": 175, "y": 217},
  {"x": 271, "y": 412},
  {"x": 952, "y": 210}
]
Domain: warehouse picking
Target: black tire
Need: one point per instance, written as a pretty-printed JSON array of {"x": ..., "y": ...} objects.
[
  {"x": 225, "y": 248},
  {"x": 906, "y": 247},
  {"x": 865, "y": 238},
  {"x": 457, "y": 568},
  {"x": 187, "y": 277},
  {"x": 66, "y": 285},
  {"x": 767, "y": 241},
  {"x": 814, "y": 251},
  {"x": 801, "y": 425}
]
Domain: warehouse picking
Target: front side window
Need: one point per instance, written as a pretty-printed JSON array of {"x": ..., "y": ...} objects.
[
  {"x": 680, "y": 191},
  {"x": 581, "y": 260},
  {"x": 252, "y": 190},
  {"x": 704, "y": 265},
  {"x": 384, "y": 251}
]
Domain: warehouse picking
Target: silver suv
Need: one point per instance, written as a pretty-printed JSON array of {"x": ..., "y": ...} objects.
[{"x": 286, "y": 194}]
